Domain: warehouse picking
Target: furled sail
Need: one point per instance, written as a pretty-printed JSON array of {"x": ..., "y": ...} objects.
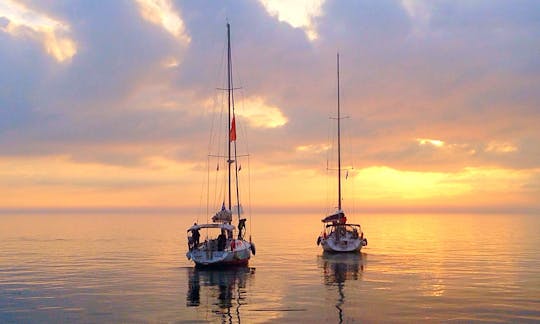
[{"x": 223, "y": 216}]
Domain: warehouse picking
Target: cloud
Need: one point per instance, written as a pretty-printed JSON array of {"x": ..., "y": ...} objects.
[
  {"x": 261, "y": 115},
  {"x": 425, "y": 141},
  {"x": 20, "y": 21},
  {"x": 163, "y": 13},
  {"x": 296, "y": 13},
  {"x": 500, "y": 147},
  {"x": 432, "y": 88}
]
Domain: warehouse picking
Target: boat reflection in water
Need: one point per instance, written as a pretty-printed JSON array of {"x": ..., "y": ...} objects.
[
  {"x": 340, "y": 267},
  {"x": 227, "y": 285}
]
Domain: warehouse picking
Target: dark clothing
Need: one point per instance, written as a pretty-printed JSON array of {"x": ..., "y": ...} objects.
[
  {"x": 221, "y": 241},
  {"x": 196, "y": 237},
  {"x": 241, "y": 228}
]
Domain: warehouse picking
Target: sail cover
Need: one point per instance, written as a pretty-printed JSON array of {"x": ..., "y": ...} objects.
[
  {"x": 224, "y": 216},
  {"x": 334, "y": 217}
]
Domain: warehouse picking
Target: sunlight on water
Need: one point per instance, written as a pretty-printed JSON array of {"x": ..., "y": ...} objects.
[{"x": 132, "y": 268}]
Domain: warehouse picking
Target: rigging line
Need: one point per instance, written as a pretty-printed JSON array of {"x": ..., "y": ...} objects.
[
  {"x": 211, "y": 141},
  {"x": 245, "y": 141},
  {"x": 207, "y": 189},
  {"x": 243, "y": 128},
  {"x": 236, "y": 178},
  {"x": 220, "y": 185},
  {"x": 229, "y": 95},
  {"x": 348, "y": 135},
  {"x": 242, "y": 98},
  {"x": 331, "y": 179},
  {"x": 231, "y": 91},
  {"x": 219, "y": 115},
  {"x": 216, "y": 105},
  {"x": 223, "y": 142},
  {"x": 329, "y": 132},
  {"x": 236, "y": 181},
  {"x": 249, "y": 194},
  {"x": 219, "y": 189}
]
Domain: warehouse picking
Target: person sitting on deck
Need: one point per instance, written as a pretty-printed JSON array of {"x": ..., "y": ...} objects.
[{"x": 221, "y": 241}]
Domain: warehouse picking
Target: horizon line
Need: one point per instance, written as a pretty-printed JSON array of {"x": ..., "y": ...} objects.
[{"x": 508, "y": 209}]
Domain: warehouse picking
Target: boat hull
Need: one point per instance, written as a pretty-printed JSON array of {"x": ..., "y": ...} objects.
[
  {"x": 341, "y": 240},
  {"x": 238, "y": 256},
  {"x": 332, "y": 245}
]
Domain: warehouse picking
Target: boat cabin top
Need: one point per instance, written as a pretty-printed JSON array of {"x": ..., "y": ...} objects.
[
  {"x": 336, "y": 225},
  {"x": 227, "y": 227}
]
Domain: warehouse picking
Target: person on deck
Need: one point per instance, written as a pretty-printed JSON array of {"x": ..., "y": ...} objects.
[
  {"x": 221, "y": 241},
  {"x": 196, "y": 235},
  {"x": 241, "y": 228}
]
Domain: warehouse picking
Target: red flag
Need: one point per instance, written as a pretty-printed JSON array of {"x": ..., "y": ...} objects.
[{"x": 232, "y": 134}]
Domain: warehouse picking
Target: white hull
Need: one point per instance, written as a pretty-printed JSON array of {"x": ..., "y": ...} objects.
[
  {"x": 209, "y": 256},
  {"x": 342, "y": 240},
  {"x": 332, "y": 245}
]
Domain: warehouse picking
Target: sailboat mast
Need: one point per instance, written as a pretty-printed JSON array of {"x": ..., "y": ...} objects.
[
  {"x": 338, "y": 137},
  {"x": 229, "y": 92}
]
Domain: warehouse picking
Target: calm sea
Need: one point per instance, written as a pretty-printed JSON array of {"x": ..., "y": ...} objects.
[{"x": 132, "y": 268}]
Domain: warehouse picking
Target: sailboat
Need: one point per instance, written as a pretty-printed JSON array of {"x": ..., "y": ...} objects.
[
  {"x": 338, "y": 235},
  {"x": 224, "y": 248}
]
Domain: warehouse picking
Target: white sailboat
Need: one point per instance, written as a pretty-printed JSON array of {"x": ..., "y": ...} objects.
[
  {"x": 223, "y": 248},
  {"x": 338, "y": 235}
]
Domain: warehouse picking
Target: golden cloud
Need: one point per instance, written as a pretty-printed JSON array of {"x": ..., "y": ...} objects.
[
  {"x": 260, "y": 114},
  {"x": 434, "y": 142},
  {"x": 163, "y": 13},
  {"x": 24, "y": 22},
  {"x": 298, "y": 13}
]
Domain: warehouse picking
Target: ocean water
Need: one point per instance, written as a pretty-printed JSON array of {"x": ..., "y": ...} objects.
[{"x": 132, "y": 268}]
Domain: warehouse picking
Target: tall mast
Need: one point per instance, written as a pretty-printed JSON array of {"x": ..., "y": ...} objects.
[
  {"x": 338, "y": 138},
  {"x": 229, "y": 92}
]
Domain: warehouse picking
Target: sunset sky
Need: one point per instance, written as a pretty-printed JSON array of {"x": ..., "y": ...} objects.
[{"x": 107, "y": 104}]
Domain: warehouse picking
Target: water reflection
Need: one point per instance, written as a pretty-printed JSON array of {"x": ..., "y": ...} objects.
[
  {"x": 338, "y": 268},
  {"x": 223, "y": 290}
]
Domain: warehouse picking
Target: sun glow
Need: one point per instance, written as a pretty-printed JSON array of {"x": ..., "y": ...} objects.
[
  {"x": 385, "y": 182},
  {"x": 297, "y": 13},
  {"x": 434, "y": 142},
  {"x": 480, "y": 185},
  {"x": 51, "y": 33},
  {"x": 163, "y": 13}
]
